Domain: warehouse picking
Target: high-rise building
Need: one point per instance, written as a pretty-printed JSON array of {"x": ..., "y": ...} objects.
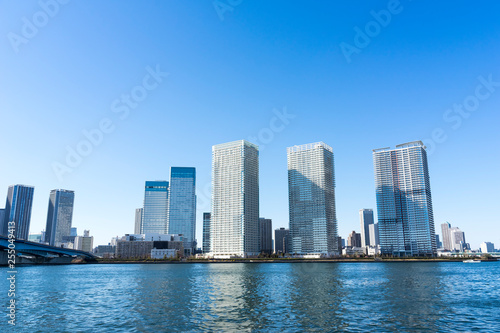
[
  {"x": 366, "y": 219},
  {"x": 18, "y": 210},
  {"x": 445, "y": 232},
  {"x": 59, "y": 216},
  {"x": 2, "y": 218},
  {"x": 487, "y": 247},
  {"x": 311, "y": 193},
  {"x": 340, "y": 244},
  {"x": 404, "y": 203},
  {"x": 206, "y": 233},
  {"x": 234, "y": 224},
  {"x": 182, "y": 206},
  {"x": 438, "y": 243},
  {"x": 374, "y": 238},
  {"x": 138, "y": 220},
  {"x": 281, "y": 240},
  {"x": 457, "y": 240},
  {"x": 266, "y": 235},
  {"x": 354, "y": 239},
  {"x": 154, "y": 218}
]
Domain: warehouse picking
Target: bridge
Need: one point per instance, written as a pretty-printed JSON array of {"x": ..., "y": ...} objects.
[{"x": 36, "y": 253}]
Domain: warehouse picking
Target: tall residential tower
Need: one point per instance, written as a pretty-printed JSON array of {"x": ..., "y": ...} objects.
[
  {"x": 234, "y": 223},
  {"x": 311, "y": 193},
  {"x": 404, "y": 203}
]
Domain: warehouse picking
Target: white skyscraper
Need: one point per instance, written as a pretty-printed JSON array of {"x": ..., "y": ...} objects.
[
  {"x": 373, "y": 231},
  {"x": 138, "y": 220},
  {"x": 445, "y": 233},
  {"x": 234, "y": 222},
  {"x": 311, "y": 193}
]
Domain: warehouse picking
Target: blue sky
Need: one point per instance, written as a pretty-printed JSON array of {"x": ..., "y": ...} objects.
[{"x": 231, "y": 67}]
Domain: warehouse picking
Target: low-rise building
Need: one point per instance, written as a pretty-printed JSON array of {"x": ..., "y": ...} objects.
[
  {"x": 105, "y": 251},
  {"x": 487, "y": 247},
  {"x": 163, "y": 253},
  {"x": 141, "y": 245}
]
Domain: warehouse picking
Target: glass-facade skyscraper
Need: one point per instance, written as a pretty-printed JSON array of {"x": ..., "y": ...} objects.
[
  {"x": 18, "y": 210},
  {"x": 365, "y": 219},
  {"x": 311, "y": 193},
  {"x": 206, "y": 233},
  {"x": 59, "y": 216},
  {"x": 154, "y": 218},
  {"x": 404, "y": 203},
  {"x": 182, "y": 206},
  {"x": 234, "y": 224}
]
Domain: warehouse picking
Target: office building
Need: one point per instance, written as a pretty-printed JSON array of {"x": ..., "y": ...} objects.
[
  {"x": 141, "y": 245},
  {"x": 85, "y": 242},
  {"x": 18, "y": 210},
  {"x": 311, "y": 193},
  {"x": 281, "y": 240},
  {"x": 457, "y": 237},
  {"x": 206, "y": 233},
  {"x": 445, "y": 233},
  {"x": 340, "y": 244},
  {"x": 59, "y": 216},
  {"x": 37, "y": 238},
  {"x": 105, "y": 251},
  {"x": 182, "y": 206},
  {"x": 404, "y": 203},
  {"x": 373, "y": 231},
  {"x": 354, "y": 239},
  {"x": 487, "y": 247},
  {"x": 438, "y": 242},
  {"x": 154, "y": 218},
  {"x": 234, "y": 224},
  {"x": 266, "y": 235},
  {"x": 366, "y": 219},
  {"x": 138, "y": 220}
]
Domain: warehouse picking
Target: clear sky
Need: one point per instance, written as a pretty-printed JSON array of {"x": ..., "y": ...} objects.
[{"x": 329, "y": 69}]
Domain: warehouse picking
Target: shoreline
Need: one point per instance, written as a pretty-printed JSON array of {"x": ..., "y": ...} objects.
[{"x": 279, "y": 261}]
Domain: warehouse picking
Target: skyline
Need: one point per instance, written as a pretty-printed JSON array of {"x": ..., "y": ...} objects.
[{"x": 233, "y": 79}]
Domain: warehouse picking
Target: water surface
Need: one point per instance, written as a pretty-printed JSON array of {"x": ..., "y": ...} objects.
[{"x": 288, "y": 297}]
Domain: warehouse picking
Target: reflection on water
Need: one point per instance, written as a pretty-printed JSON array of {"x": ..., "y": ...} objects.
[
  {"x": 291, "y": 297},
  {"x": 414, "y": 296}
]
